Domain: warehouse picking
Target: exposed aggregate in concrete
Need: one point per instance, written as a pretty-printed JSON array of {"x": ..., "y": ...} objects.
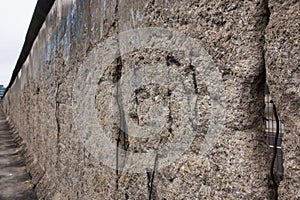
[
  {"x": 283, "y": 77},
  {"x": 56, "y": 81}
]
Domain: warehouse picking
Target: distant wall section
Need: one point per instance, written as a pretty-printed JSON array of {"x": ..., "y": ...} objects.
[{"x": 72, "y": 92}]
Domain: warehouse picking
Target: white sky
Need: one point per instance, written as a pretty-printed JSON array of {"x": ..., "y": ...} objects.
[{"x": 15, "y": 17}]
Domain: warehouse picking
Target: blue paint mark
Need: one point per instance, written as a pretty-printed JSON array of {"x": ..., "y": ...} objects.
[
  {"x": 66, "y": 36},
  {"x": 74, "y": 7},
  {"x": 50, "y": 50},
  {"x": 61, "y": 30},
  {"x": 46, "y": 52},
  {"x": 68, "y": 19},
  {"x": 71, "y": 26},
  {"x": 82, "y": 3},
  {"x": 72, "y": 17},
  {"x": 66, "y": 45},
  {"x": 53, "y": 47}
]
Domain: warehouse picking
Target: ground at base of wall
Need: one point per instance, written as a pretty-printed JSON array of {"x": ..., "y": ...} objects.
[{"x": 15, "y": 183}]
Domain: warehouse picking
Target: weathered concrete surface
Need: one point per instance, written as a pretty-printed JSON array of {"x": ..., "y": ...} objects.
[
  {"x": 232, "y": 33},
  {"x": 15, "y": 182},
  {"x": 68, "y": 97},
  {"x": 283, "y": 77}
]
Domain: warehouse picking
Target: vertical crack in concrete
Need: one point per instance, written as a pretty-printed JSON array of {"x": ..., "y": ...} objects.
[
  {"x": 275, "y": 185},
  {"x": 273, "y": 181},
  {"x": 150, "y": 177},
  {"x": 82, "y": 173},
  {"x": 192, "y": 68},
  {"x": 122, "y": 137},
  {"x": 57, "y": 104},
  {"x": 136, "y": 92},
  {"x": 170, "y": 117}
]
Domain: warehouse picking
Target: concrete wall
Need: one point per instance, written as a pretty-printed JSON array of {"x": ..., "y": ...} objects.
[
  {"x": 283, "y": 77},
  {"x": 126, "y": 99}
]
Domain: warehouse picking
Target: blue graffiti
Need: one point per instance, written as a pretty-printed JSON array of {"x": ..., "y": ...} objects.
[{"x": 71, "y": 27}]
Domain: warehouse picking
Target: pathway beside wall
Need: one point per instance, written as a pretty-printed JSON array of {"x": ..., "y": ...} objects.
[{"x": 15, "y": 183}]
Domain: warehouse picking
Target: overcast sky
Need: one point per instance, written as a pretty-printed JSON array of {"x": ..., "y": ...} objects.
[{"x": 15, "y": 17}]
